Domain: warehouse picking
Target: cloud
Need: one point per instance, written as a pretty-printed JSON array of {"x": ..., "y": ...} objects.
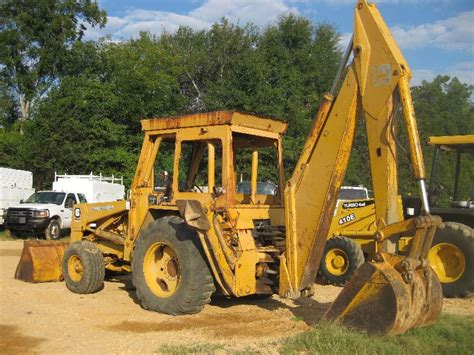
[
  {"x": 464, "y": 71},
  {"x": 259, "y": 12},
  {"x": 454, "y": 33}
]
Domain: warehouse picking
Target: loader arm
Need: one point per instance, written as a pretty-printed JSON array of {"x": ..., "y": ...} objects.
[{"x": 373, "y": 84}]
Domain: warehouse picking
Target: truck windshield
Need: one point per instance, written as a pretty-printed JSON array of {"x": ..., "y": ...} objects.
[
  {"x": 352, "y": 194},
  {"x": 46, "y": 197}
]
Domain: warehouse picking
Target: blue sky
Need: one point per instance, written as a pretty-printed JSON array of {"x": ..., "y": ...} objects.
[{"x": 436, "y": 36}]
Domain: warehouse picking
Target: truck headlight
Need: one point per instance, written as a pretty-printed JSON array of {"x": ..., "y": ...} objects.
[{"x": 41, "y": 213}]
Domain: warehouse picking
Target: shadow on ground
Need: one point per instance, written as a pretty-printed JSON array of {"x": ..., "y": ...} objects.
[{"x": 306, "y": 309}]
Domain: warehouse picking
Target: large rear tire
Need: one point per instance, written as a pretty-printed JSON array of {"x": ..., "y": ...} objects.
[
  {"x": 341, "y": 258},
  {"x": 452, "y": 259},
  {"x": 169, "y": 269},
  {"x": 83, "y": 267}
]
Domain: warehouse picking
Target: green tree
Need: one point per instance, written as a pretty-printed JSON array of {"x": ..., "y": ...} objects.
[
  {"x": 91, "y": 120},
  {"x": 444, "y": 107},
  {"x": 302, "y": 60},
  {"x": 35, "y": 41}
]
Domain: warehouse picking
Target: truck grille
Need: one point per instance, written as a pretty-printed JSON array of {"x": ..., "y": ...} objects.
[{"x": 19, "y": 213}]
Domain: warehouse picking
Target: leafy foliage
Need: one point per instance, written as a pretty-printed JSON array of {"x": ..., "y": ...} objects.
[
  {"x": 89, "y": 120},
  {"x": 36, "y": 37}
]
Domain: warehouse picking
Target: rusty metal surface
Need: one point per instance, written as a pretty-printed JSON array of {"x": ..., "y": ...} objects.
[
  {"x": 41, "y": 261},
  {"x": 215, "y": 118},
  {"x": 193, "y": 214},
  {"x": 378, "y": 300}
]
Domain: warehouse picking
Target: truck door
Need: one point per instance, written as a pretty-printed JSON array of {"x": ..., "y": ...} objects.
[{"x": 68, "y": 203}]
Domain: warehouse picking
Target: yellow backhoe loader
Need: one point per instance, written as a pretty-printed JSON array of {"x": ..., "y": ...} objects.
[
  {"x": 187, "y": 233},
  {"x": 351, "y": 242}
]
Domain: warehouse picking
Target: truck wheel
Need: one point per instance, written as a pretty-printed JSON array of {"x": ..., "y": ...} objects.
[
  {"x": 11, "y": 233},
  {"x": 169, "y": 269},
  {"x": 452, "y": 259},
  {"x": 83, "y": 267},
  {"x": 341, "y": 258},
  {"x": 53, "y": 230}
]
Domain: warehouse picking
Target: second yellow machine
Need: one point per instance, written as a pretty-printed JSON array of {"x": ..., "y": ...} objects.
[{"x": 187, "y": 233}]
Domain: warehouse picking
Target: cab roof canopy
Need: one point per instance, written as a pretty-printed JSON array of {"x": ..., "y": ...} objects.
[
  {"x": 233, "y": 118},
  {"x": 465, "y": 142}
]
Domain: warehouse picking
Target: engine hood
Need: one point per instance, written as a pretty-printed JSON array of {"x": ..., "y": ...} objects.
[{"x": 36, "y": 206}]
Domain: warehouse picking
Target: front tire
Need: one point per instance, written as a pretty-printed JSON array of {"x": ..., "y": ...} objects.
[
  {"x": 170, "y": 273},
  {"x": 83, "y": 267},
  {"x": 53, "y": 231},
  {"x": 11, "y": 234},
  {"x": 452, "y": 259},
  {"x": 341, "y": 258}
]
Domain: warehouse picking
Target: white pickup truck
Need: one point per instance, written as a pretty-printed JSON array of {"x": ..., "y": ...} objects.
[{"x": 49, "y": 213}]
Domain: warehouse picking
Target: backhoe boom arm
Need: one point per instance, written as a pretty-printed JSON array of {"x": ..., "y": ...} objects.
[{"x": 374, "y": 84}]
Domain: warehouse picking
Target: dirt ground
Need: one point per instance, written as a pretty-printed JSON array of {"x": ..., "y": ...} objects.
[{"x": 48, "y": 318}]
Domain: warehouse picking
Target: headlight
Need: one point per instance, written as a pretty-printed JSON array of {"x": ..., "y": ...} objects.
[
  {"x": 40, "y": 213},
  {"x": 77, "y": 213}
]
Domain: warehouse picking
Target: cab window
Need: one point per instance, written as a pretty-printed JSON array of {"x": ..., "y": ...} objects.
[
  {"x": 262, "y": 154},
  {"x": 200, "y": 166},
  {"x": 82, "y": 198},
  {"x": 70, "y": 201},
  {"x": 163, "y": 168}
]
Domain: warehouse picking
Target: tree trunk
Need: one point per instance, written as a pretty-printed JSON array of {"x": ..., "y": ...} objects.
[{"x": 25, "y": 111}]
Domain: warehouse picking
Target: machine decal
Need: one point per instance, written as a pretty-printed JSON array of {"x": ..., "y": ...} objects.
[
  {"x": 349, "y": 218},
  {"x": 357, "y": 204}
]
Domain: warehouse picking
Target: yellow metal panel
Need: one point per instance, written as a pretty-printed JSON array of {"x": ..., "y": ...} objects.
[
  {"x": 255, "y": 132},
  {"x": 246, "y": 264},
  {"x": 86, "y": 213},
  {"x": 253, "y": 177},
  {"x": 307, "y": 204},
  {"x": 452, "y": 140},
  {"x": 245, "y": 214},
  {"x": 353, "y": 221},
  {"x": 213, "y": 119},
  {"x": 262, "y": 123},
  {"x": 379, "y": 68}
]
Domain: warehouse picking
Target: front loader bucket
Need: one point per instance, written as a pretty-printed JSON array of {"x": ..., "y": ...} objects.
[
  {"x": 378, "y": 300},
  {"x": 41, "y": 261}
]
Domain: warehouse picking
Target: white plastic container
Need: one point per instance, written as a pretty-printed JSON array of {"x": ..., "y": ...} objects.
[
  {"x": 15, "y": 185},
  {"x": 96, "y": 188}
]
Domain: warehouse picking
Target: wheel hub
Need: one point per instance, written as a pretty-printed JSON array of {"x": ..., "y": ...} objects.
[
  {"x": 447, "y": 261},
  {"x": 336, "y": 261},
  {"x": 75, "y": 268},
  {"x": 161, "y": 269}
]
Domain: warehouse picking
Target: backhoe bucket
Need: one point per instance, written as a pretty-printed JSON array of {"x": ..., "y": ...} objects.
[
  {"x": 41, "y": 261},
  {"x": 378, "y": 300}
]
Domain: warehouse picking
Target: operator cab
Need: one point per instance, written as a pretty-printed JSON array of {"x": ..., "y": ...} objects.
[{"x": 203, "y": 156}]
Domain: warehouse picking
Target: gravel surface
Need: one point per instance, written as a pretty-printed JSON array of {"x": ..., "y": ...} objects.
[{"x": 48, "y": 318}]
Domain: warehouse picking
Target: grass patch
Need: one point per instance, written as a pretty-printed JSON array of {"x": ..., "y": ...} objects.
[
  {"x": 191, "y": 349},
  {"x": 451, "y": 334}
]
